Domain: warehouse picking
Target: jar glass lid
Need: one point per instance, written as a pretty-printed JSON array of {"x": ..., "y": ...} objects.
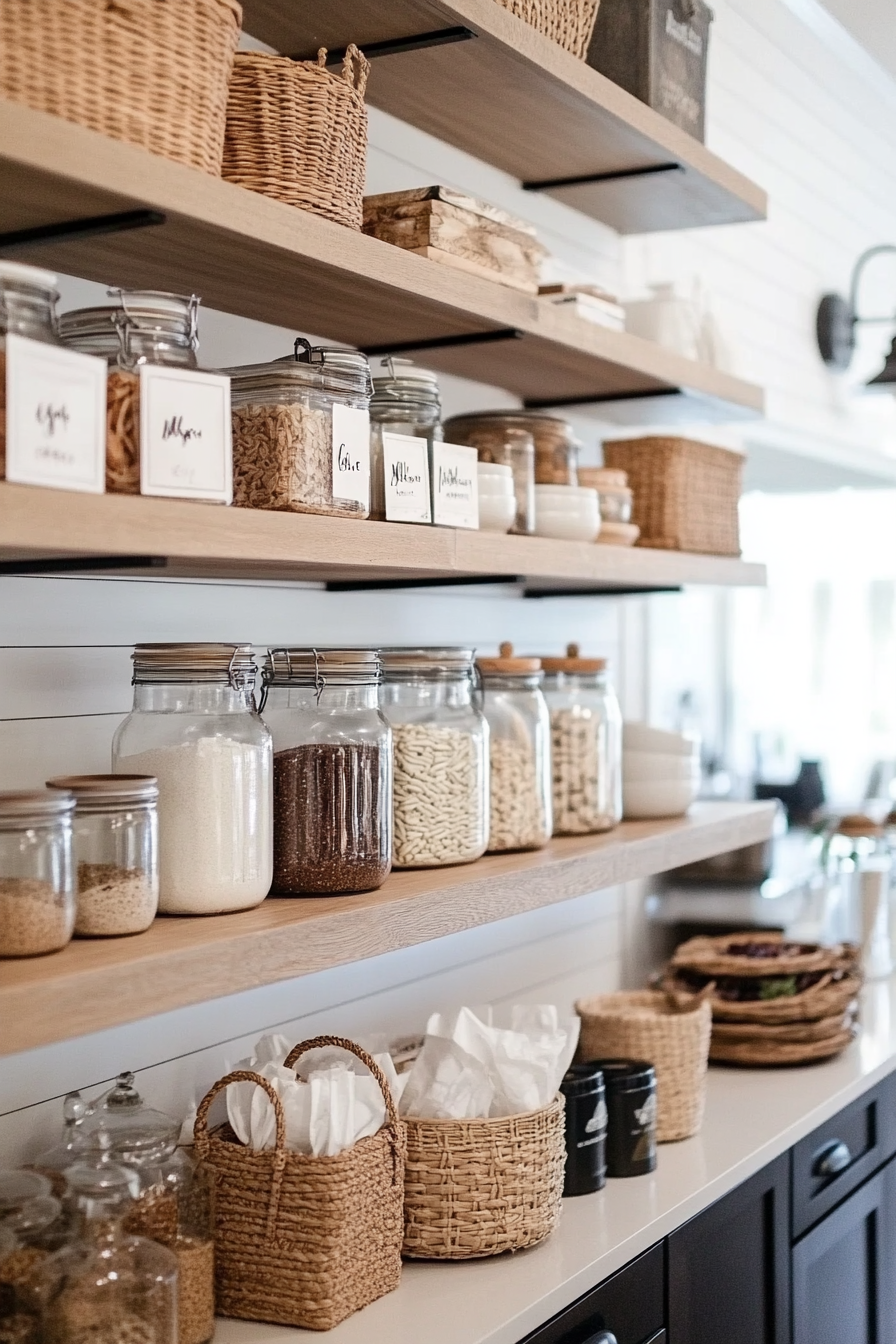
[
  {"x": 14, "y": 273},
  {"x": 321, "y": 667},
  {"x": 404, "y": 378},
  {"x": 221, "y": 664},
  {"x": 102, "y": 789},
  {"x": 137, "y": 311},
  {"x": 327, "y": 368},
  {"x": 36, "y": 803},
  {"x": 137, "y": 1133},
  {"x": 431, "y": 664}
]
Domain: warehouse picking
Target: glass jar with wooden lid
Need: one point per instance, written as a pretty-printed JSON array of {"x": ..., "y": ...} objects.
[
  {"x": 586, "y": 743},
  {"x": 37, "y": 881},
  {"x": 519, "y": 751}
]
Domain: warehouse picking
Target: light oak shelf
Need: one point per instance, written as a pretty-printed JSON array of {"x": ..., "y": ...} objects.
[
  {"x": 39, "y": 526},
  {"x": 97, "y": 983},
  {"x": 259, "y": 258},
  {"x": 519, "y": 101}
]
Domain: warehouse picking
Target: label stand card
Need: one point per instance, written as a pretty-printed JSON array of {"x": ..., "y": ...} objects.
[
  {"x": 185, "y": 444},
  {"x": 406, "y": 478},
  {"x": 55, "y": 416},
  {"x": 455, "y": 486},
  {"x": 351, "y": 454}
]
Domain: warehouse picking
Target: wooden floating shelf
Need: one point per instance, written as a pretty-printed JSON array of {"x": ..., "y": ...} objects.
[
  {"x": 519, "y": 101},
  {"x": 42, "y": 526},
  {"x": 98, "y": 983},
  {"x": 259, "y": 258}
]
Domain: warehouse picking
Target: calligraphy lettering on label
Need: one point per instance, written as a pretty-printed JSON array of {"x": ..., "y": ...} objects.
[
  {"x": 402, "y": 475},
  {"x": 345, "y": 460},
  {"x": 174, "y": 428},
  {"x": 452, "y": 477},
  {"x": 49, "y": 416}
]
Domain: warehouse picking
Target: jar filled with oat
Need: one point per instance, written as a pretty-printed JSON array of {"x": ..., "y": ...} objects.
[
  {"x": 586, "y": 744},
  {"x": 405, "y": 401},
  {"x": 332, "y": 771},
  {"x": 301, "y": 432},
  {"x": 519, "y": 751},
  {"x": 28, "y": 297},
  {"x": 506, "y": 439},
  {"x": 116, "y": 848},
  {"x": 37, "y": 879},
  {"x": 431, "y": 700}
]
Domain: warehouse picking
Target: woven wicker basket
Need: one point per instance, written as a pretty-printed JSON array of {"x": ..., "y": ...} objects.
[
  {"x": 714, "y": 957},
  {"x": 299, "y": 1240},
  {"x": 479, "y": 1187},
  {"x": 153, "y": 72},
  {"x": 685, "y": 493},
  {"x": 760, "y": 1053},
  {"x": 830, "y": 995},
  {"x": 568, "y": 22},
  {"x": 299, "y": 133},
  {"x": 647, "y": 1025}
]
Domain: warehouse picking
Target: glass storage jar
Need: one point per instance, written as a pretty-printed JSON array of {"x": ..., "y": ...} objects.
[
  {"x": 37, "y": 880},
  {"x": 27, "y": 1211},
  {"x": 519, "y": 735},
  {"x": 405, "y": 401},
  {"x": 287, "y": 427},
  {"x": 858, "y": 865},
  {"x": 440, "y": 756},
  {"x": 115, "y": 835},
  {"x": 613, "y": 492},
  {"x": 586, "y": 744},
  {"x": 28, "y": 297},
  {"x": 332, "y": 770},
  {"x": 194, "y": 727},
  {"x": 144, "y": 326},
  {"x": 507, "y": 441}
]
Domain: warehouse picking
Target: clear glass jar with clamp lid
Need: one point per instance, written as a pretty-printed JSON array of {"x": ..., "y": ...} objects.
[
  {"x": 405, "y": 402},
  {"x": 28, "y": 298}
]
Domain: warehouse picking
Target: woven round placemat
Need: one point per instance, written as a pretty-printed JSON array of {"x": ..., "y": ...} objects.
[
  {"x": 831, "y": 994},
  {"x": 761, "y": 1053},
  {"x": 568, "y": 22},
  {"x": 714, "y": 957}
]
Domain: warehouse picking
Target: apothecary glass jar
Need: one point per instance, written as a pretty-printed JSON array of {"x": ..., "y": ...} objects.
[
  {"x": 115, "y": 833},
  {"x": 507, "y": 440},
  {"x": 37, "y": 879},
  {"x": 519, "y": 752},
  {"x": 194, "y": 728},
  {"x": 28, "y": 298},
  {"x": 586, "y": 744},
  {"x": 405, "y": 401},
  {"x": 440, "y": 793},
  {"x": 301, "y": 432},
  {"x": 27, "y": 1210},
  {"x": 332, "y": 770}
]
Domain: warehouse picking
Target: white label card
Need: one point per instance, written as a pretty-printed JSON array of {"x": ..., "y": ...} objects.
[
  {"x": 455, "y": 485},
  {"x": 406, "y": 472},
  {"x": 185, "y": 448},
  {"x": 351, "y": 454},
  {"x": 55, "y": 416}
]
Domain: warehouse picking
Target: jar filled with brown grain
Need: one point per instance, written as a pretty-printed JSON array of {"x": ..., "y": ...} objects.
[
  {"x": 37, "y": 879},
  {"x": 28, "y": 297}
]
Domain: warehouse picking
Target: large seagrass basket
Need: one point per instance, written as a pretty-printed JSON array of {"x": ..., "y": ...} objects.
[{"x": 568, "y": 22}]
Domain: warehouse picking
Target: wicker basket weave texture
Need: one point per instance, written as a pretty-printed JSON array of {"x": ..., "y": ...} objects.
[
  {"x": 479, "y": 1187},
  {"x": 300, "y": 1240},
  {"x": 153, "y": 72},
  {"x": 297, "y": 132},
  {"x": 685, "y": 493},
  {"x": 823, "y": 999},
  {"x": 644, "y": 1024},
  {"x": 568, "y": 22}
]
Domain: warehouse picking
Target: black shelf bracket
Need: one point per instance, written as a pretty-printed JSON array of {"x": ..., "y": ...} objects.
[
  {"x": 446, "y": 342},
  {"x": 374, "y": 585},
  {"x": 81, "y": 228},
  {"x": 397, "y": 46},
  {"x": 81, "y": 564},
  {"x": 633, "y": 590},
  {"x": 591, "y": 179},
  {"x": 595, "y": 398}
]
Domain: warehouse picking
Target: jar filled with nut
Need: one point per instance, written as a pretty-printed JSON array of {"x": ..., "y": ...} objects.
[
  {"x": 37, "y": 881},
  {"x": 301, "y": 432},
  {"x": 431, "y": 700},
  {"x": 519, "y": 751},
  {"x": 586, "y": 744},
  {"x": 405, "y": 401}
]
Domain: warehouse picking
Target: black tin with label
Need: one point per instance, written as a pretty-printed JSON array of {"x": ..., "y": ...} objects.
[
  {"x": 586, "y": 1130},
  {"x": 630, "y": 1086}
]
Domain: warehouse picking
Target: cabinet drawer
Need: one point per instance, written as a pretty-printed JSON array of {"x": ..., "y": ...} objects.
[
  {"x": 832, "y": 1161},
  {"x": 629, "y": 1306}
]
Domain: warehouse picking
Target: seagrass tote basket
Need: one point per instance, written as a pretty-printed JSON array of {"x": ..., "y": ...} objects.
[
  {"x": 153, "y": 72},
  {"x": 298, "y": 132},
  {"x": 646, "y": 1024},
  {"x": 479, "y": 1187},
  {"x": 299, "y": 1240},
  {"x": 568, "y": 22}
]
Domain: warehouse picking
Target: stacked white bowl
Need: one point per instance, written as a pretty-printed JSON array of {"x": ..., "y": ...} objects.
[
  {"x": 660, "y": 772},
  {"x": 567, "y": 512},
  {"x": 497, "y": 500}
]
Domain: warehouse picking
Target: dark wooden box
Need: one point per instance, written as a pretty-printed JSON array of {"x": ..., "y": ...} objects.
[{"x": 656, "y": 49}]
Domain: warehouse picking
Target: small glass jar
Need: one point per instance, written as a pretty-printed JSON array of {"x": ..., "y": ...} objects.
[
  {"x": 858, "y": 862},
  {"x": 440, "y": 756},
  {"x": 37, "y": 879},
  {"x": 405, "y": 401},
  {"x": 586, "y": 744},
  {"x": 27, "y": 1210},
  {"x": 284, "y": 432},
  {"x": 332, "y": 771},
  {"x": 116, "y": 845},
  {"x": 506, "y": 440},
  {"x": 144, "y": 326},
  {"x": 519, "y": 734},
  {"x": 194, "y": 728},
  {"x": 613, "y": 492},
  {"x": 28, "y": 297}
]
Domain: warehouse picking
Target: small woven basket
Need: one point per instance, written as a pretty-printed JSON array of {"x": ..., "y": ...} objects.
[
  {"x": 567, "y": 22},
  {"x": 479, "y": 1187},
  {"x": 153, "y": 72},
  {"x": 647, "y": 1025},
  {"x": 300, "y": 1240},
  {"x": 685, "y": 493},
  {"x": 830, "y": 995},
  {"x": 299, "y": 133}
]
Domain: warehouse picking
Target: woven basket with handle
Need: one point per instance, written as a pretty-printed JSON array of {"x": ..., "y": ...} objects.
[
  {"x": 300, "y": 1240},
  {"x": 153, "y": 72},
  {"x": 568, "y": 22},
  {"x": 647, "y": 1024},
  {"x": 298, "y": 132},
  {"x": 479, "y": 1187}
]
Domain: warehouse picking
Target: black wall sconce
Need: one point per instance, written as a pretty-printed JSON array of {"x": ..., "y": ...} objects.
[{"x": 837, "y": 319}]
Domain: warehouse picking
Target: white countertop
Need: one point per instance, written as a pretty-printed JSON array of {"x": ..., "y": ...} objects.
[{"x": 752, "y": 1116}]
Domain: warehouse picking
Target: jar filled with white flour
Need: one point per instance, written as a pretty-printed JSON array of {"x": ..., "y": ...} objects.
[
  {"x": 519, "y": 752},
  {"x": 586, "y": 744},
  {"x": 195, "y": 728},
  {"x": 430, "y": 698}
]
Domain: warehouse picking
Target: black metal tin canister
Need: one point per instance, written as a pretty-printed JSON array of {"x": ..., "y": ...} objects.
[
  {"x": 630, "y": 1086},
  {"x": 586, "y": 1130}
]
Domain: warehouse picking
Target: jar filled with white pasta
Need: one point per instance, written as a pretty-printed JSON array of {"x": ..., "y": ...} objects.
[
  {"x": 586, "y": 743},
  {"x": 519, "y": 752}
]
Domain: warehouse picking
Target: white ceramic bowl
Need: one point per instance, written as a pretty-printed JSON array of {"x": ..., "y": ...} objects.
[
  {"x": 657, "y": 799},
  {"x": 490, "y": 473},
  {"x": 496, "y": 512},
  {"x": 641, "y": 737},
  {"x": 566, "y": 512},
  {"x": 644, "y": 767}
]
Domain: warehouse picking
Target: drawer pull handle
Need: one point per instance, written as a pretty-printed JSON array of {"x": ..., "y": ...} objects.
[
  {"x": 602, "y": 1337},
  {"x": 832, "y": 1159}
]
